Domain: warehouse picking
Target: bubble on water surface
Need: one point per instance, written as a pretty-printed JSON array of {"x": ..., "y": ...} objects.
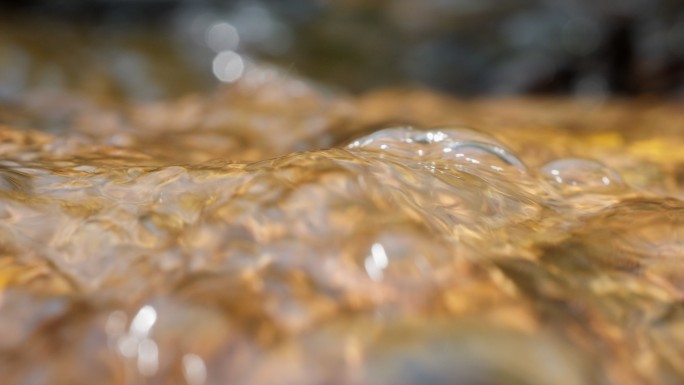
[
  {"x": 467, "y": 149},
  {"x": 573, "y": 175}
]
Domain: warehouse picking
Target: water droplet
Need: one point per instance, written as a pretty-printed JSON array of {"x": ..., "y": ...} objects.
[
  {"x": 116, "y": 327},
  {"x": 228, "y": 66},
  {"x": 222, "y": 36},
  {"x": 127, "y": 346},
  {"x": 582, "y": 175},
  {"x": 376, "y": 262},
  {"x": 148, "y": 357},
  {"x": 466, "y": 148},
  {"x": 194, "y": 369},
  {"x": 143, "y": 322}
]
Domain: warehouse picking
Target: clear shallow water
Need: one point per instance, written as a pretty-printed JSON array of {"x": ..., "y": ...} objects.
[{"x": 271, "y": 233}]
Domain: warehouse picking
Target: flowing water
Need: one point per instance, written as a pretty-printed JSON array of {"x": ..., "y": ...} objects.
[{"x": 276, "y": 233}]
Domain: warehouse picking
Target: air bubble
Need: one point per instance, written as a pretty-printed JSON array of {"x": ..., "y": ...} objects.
[
  {"x": 467, "y": 149},
  {"x": 574, "y": 175}
]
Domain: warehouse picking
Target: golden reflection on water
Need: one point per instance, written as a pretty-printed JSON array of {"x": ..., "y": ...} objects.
[{"x": 272, "y": 233}]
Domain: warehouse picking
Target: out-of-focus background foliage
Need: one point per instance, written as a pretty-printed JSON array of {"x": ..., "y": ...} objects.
[{"x": 151, "y": 49}]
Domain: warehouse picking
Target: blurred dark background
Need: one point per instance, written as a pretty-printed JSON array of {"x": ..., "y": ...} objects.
[{"x": 151, "y": 49}]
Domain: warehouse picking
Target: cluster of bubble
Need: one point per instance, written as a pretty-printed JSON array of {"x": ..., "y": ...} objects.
[{"x": 476, "y": 152}]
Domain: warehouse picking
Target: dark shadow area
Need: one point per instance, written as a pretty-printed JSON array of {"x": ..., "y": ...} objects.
[{"x": 462, "y": 47}]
